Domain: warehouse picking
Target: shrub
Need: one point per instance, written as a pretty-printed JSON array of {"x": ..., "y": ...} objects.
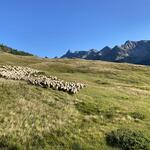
[
  {"x": 77, "y": 146},
  {"x": 137, "y": 115},
  {"x": 88, "y": 108},
  {"x": 127, "y": 139},
  {"x": 7, "y": 144},
  {"x": 111, "y": 112}
]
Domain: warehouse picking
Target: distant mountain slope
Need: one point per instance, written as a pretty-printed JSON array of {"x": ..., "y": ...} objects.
[
  {"x": 136, "y": 52},
  {"x": 4, "y": 48}
]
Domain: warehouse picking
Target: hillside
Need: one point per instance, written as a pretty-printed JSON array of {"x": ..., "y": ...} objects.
[
  {"x": 135, "y": 52},
  {"x": 6, "y": 49},
  {"x": 116, "y": 97}
]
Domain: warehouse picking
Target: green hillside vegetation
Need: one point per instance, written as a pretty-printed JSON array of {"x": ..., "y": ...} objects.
[
  {"x": 4, "y": 48},
  {"x": 115, "y": 106}
]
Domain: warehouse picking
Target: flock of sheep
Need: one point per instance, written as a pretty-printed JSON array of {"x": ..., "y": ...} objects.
[{"x": 38, "y": 78}]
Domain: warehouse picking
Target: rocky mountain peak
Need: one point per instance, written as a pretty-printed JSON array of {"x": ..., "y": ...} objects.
[
  {"x": 129, "y": 45},
  {"x": 68, "y": 52},
  {"x": 137, "y": 52},
  {"x": 93, "y": 50}
]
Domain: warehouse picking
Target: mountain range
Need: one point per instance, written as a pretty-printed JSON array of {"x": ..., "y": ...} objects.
[{"x": 136, "y": 52}]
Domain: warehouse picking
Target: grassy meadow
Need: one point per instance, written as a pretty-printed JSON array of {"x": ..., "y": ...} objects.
[{"x": 33, "y": 118}]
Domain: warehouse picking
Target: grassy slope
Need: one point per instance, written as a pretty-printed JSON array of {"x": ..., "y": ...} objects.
[
  {"x": 6, "y": 49},
  {"x": 36, "y": 118}
]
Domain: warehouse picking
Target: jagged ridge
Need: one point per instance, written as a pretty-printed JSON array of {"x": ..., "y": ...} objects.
[{"x": 137, "y": 52}]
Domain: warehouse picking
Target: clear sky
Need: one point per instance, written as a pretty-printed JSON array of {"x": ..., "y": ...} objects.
[{"x": 51, "y": 27}]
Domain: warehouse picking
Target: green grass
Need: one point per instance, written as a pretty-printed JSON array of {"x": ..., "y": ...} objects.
[
  {"x": 117, "y": 96},
  {"x": 128, "y": 139}
]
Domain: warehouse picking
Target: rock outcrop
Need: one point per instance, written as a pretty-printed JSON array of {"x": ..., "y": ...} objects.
[{"x": 38, "y": 78}]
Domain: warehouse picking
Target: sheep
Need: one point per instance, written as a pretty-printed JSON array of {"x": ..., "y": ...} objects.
[{"x": 35, "y": 77}]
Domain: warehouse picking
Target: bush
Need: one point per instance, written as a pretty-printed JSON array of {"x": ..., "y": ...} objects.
[
  {"x": 137, "y": 115},
  {"x": 22, "y": 53},
  {"x": 88, "y": 108},
  {"x": 127, "y": 139},
  {"x": 111, "y": 112},
  {"x": 7, "y": 144},
  {"x": 77, "y": 146}
]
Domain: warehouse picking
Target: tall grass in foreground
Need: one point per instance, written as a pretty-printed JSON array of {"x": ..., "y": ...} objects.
[{"x": 117, "y": 96}]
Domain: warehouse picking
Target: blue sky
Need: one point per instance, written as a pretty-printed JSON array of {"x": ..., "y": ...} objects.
[{"x": 51, "y": 27}]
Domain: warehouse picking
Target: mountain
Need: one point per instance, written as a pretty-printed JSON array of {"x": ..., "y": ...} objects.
[
  {"x": 6, "y": 49},
  {"x": 136, "y": 52}
]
